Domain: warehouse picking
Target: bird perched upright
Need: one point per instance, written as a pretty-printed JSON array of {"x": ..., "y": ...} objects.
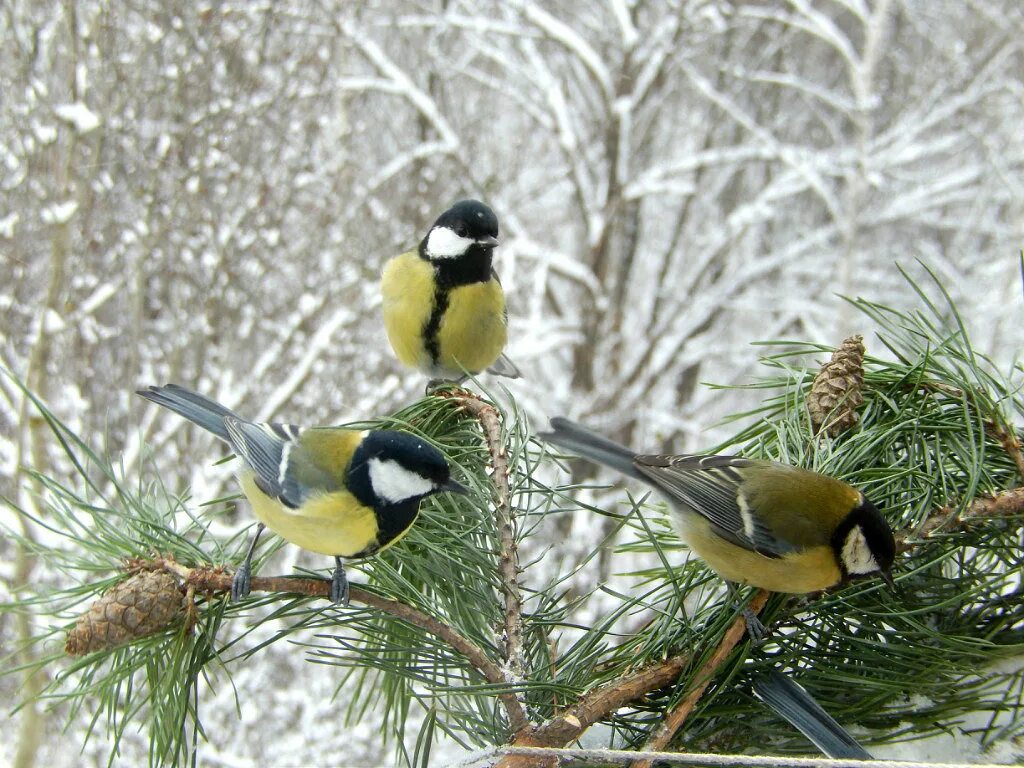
[
  {"x": 336, "y": 491},
  {"x": 770, "y": 525},
  {"x": 444, "y": 310}
]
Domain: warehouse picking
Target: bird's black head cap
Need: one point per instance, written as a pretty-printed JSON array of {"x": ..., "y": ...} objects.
[
  {"x": 469, "y": 218},
  {"x": 413, "y": 453},
  {"x": 461, "y": 244},
  {"x": 391, "y": 467}
]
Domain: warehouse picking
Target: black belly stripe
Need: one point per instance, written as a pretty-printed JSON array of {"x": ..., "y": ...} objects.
[
  {"x": 473, "y": 267},
  {"x": 433, "y": 325}
]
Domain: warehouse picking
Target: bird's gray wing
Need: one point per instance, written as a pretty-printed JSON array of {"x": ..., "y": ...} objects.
[
  {"x": 712, "y": 487},
  {"x": 275, "y": 454}
]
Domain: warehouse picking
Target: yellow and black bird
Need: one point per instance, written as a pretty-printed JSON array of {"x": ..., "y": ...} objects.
[
  {"x": 444, "y": 309},
  {"x": 770, "y": 525},
  {"x": 343, "y": 492}
]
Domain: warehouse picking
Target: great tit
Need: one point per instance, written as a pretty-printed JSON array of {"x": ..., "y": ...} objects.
[
  {"x": 762, "y": 523},
  {"x": 337, "y": 491},
  {"x": 444, "y": 310}
]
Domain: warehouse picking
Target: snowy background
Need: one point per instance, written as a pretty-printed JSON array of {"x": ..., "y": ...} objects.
[{"x": 205, "y": 193}]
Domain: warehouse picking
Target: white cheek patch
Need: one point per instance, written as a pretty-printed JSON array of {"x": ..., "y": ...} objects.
[
  {"x": 394, "y": 483},
  {"x": 857, "y": 555},
  {"x": 443, "y": 243}
]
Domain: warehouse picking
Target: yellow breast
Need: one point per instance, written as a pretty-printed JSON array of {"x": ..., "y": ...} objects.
[
  {"x": 407, "y": 291},
  {"x": 331, "y": 524},
  {"x": 473, "y": 330},
  {"x": 810, "y": 570}
]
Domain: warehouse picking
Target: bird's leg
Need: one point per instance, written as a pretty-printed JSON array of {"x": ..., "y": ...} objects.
[
  {"x": 339, "y": 583},
  {"x": 435, "y": 384},
  {"x": 755, "y": 628},
  {"x": 242, "y": 580}
]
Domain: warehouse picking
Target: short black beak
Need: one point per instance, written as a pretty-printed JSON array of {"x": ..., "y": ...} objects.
[
  {"x": 453, "y": 486},
  {"x": 889, "y": 581},
  {"x": 487, "y": 241}
]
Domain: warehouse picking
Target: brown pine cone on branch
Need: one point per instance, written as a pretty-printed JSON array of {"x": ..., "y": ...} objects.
[
  {"x": 836, "y": 391},
  {"x": 141, "y": 605}
]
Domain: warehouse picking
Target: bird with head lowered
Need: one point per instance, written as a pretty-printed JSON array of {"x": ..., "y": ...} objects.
[
  {"x": 444, "y": 309},
  {"x": 756, "y": 522},
  {"x": 336, "y": 491}
]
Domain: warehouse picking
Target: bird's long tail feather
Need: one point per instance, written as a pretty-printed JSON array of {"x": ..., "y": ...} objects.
[
  {"x": 197, "y": 408},
  {"x": 792, "y": 701},
  {"x": 578, "y": 439}
]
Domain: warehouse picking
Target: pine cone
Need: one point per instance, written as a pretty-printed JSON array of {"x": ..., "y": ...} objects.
[
  {"x": 141, "y": 605},
  {"x": 836, "y": 391}
]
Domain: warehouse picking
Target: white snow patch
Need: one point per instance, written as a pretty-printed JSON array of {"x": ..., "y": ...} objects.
[
  {"x": 36, "y": 88},
  {"x": 10, "y": 160},
  {"x": 154, "y": 32},
  {"x": 45, "y": 134},
  {"x": 78, "y": 116},
  {"x": 59, "y": 213},
  {"x": 8, "y": 224},
  {"x": 82, "y": 75},
  {"x": 52, "y": 322}
]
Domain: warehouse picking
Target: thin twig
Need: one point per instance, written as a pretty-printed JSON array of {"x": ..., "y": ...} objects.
[
  {"x": 677, "y": 716},
  {"x": 508, "y": 554},
  {"x": 594, "y": 706},
  {"x": 1001, "y": 504},
  {"x": 211, "y": 579},
  {"x": 1011, "y": 444}
]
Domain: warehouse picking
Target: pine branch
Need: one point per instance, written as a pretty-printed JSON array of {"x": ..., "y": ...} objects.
[
  {"x": 596, "y": 705},
  {"x": 1004, "y": 433},
  {"x": 1011, "y": 444},
  {"x": 508, "y": 557},
  {"x": 934, "y": 448},
  {"x": 215, "y": 580},
  {"x": 601, "y": 703},
  {"x": 946, "y": 519},
  {"x": 677, "y": 716},
  {"x": 591, "y": 757}
]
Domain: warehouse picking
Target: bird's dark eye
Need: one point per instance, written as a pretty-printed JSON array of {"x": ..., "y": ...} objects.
[{"x": 460, "y": 230}]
